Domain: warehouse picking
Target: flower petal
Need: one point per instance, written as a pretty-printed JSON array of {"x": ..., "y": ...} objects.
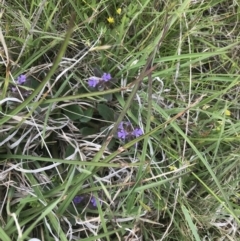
[
  {"x": 21, "y": 79},
  {"x": 106, "y": 77},
  {"x": 137, "y": 132},
  {"x": 122, "y": 134},
  {"x": 78, "y": 199},
  {"x": 93, "y": 81},
  {"x": 93, "y": 201}
]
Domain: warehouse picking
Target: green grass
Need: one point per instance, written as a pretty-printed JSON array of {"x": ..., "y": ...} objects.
[{"x": 177, "y": 69}]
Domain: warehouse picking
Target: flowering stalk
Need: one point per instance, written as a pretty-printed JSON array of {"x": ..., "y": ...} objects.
[
  {"x": 126, "y": 132},
  {"x": 99, "y": 82},
  {"x": 82, "y": 199},
  {"x": 20, "y": 81}
]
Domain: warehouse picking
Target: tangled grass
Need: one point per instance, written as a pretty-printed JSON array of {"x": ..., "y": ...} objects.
[{"x": 119, "y": 121}]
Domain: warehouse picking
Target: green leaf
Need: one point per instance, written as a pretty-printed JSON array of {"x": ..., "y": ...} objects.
[
  {"x": 87, "y": 115},
  {"x": 111, "y": 144},
  {"x": 108, "y": 97},
  {"x": 74, "y": 112},
  {"x": 192, "y": 226},
  {"x": 32, "y": 82},
  {"x": 97, "y": 71},
  {"x": 4, "y": 236},
  {"x": 106, "y": 112},
  {"x": 69, "y": 150},
  {"x": 86, "y": 131}
]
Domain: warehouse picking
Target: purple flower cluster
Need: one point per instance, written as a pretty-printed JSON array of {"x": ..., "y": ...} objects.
[
  {"x": 20, "y": 81},
  {"x": 93, "y": 202},
  {"x": 126, "y": 132},
  {"x": 97, "y": 81},
  {"x": 79, "y": 199}
]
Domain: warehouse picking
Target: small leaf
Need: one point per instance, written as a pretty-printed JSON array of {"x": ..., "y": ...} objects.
[
  {"x": 86, "y": 131},
  {"x": 87, "y": 115},
  {"x": 112, "y": 144},
  {"x": 106, "y": 112},
  {"x": 108, "y": 97},
  {"x": 69, "y": 151},
  {"x": 74, "y": 112},
  {"x": 32, "y": 82},
  {"x": 98, "y": 72}
]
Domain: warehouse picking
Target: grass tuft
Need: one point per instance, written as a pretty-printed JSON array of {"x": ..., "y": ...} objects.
[{"x": 119, "y": 121}]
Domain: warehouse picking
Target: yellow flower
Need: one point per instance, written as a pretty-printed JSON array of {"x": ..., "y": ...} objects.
[
  {"x": 110, "y": 20},
  {"x": 205, "y": 107},
  {"x": 119, "y": 10},
  {"x": 219, "y": 125},
  {"x": 172, "y": 168},
  {"x": 227, "y": 112}
]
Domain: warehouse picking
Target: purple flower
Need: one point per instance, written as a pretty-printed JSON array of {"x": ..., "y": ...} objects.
[
  {"x": 137, "y": 132},
  {"x": 14, "y": 89},
  {"x": 78, "y": 199},
  {"x": 21, "y": 79},
  {"x": 101, "y": 83},
  {"x": 106, "y": 77},
  {"x": 127, "y": 132},
  {"x": 122, "y": 134},
  {"x": 93, "y": 201},
  {"x": 86, "y": 199},
  {"x": 93, "y": 81}
]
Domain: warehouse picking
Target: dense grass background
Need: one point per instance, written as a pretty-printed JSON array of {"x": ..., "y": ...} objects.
[{"x": 177, "y": 69}]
